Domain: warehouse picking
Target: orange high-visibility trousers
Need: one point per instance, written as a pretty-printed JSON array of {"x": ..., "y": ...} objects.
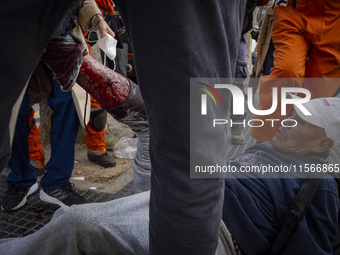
[
  {"x": 307, "y": 40},
  {"x": 95, "y": 141},
  {"x": 35, "y": 147}
]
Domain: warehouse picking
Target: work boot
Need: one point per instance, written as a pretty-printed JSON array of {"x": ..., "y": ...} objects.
[
  {"x": 237, "y": 135},
  {"x": 103, "y": 160}
]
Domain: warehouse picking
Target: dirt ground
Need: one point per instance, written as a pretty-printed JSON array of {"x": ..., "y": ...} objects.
[
  {"x": 88, "y": 175},
  {"x": 85, "y": 170},
  {"x": 92, "y": 172}
]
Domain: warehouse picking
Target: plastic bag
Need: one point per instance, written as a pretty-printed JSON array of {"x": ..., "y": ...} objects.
[{"x": 125, "y": 148}]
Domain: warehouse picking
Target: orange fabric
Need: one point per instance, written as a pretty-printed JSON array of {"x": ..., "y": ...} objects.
[
  {"x": 308, "y": 45},
  {"x": 107, "y": 4},
  {"x": 35, "y": 147},
  {"x": 94, "y": 103},
  {"x": 96, "y": 141}
]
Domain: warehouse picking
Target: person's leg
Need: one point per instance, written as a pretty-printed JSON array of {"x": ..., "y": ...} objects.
[
  {"x": 241, "y": 74},
  {"x": 238, "y": 121},
  {"x": 141, "y": 163},
  {"x": 122, "y": 55},
  {"x": 185, "y": 213},
  {"x": 64, "y": 130},
  {"x": 323, "y": 72},
  {"x": 292, "y": 47},
  {"x": 290, "y": 58},
  {"x": 324, "y": 57},
  {"x": 37, "y": 19},
  {"x": 109, "y": 88},
  {"x": 55, "y": 185},
  {"x": 116, "y": 227},
  {"x": 22, "y": 178},
  {"x": 35, "y": 146},
  {"x": 22, "y": 174},
  {"x": 95, "y": 137}
]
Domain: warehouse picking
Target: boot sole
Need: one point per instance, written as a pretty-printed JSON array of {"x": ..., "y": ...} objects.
[
  {"x": 99, "y": 162},
  {"x": 103, "y": 165}
]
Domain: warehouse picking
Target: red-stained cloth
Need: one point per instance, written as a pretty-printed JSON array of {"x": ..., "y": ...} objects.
[{"x": 64, "y": 57}]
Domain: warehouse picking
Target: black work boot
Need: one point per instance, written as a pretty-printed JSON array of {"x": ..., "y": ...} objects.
[{"x": 104, "y": 160}]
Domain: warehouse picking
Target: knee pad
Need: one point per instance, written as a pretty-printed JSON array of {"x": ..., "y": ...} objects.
[{"x": 98, "y": 120}]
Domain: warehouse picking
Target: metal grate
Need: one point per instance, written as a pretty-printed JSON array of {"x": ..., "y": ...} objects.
[{"x": 35, "y": 213}]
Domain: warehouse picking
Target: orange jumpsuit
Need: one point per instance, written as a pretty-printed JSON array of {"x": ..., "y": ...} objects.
[
  {"x": 96, "y": 141},
  {"x": 307, "y": 37}
]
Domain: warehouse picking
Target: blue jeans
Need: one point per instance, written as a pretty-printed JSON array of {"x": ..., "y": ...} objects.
[
  {"x": 21, "y": 52},
  {"x": 64, "y": 130}
]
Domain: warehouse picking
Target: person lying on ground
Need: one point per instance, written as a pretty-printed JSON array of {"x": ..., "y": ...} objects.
[
  {"x": 255, "y": 204},
  {"x": 258, "y": 197}
]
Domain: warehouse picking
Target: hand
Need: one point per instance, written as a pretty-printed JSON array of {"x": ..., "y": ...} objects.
[
  {"x": 104, "y": 29},
  {"x": 121, "y": 31},
  {"x": 256, "y": 55}
]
